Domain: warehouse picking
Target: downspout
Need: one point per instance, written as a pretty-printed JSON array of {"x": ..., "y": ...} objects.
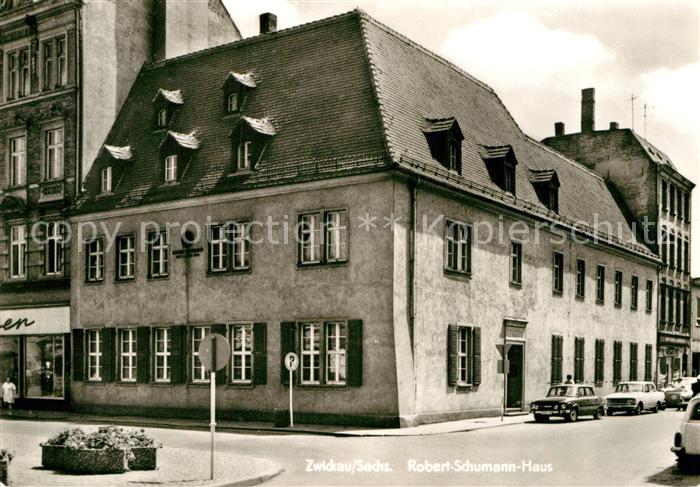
[
  {"x": 79, "y": 117},
  {"x": 413, "y": 187}
]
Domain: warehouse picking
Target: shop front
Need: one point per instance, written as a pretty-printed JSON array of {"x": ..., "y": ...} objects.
[{"x": 33, "y": 351}]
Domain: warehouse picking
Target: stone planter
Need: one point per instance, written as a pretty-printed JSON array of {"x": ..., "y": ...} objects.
[
  {"x": 144, "y": 458},
  {"x": 84, "y": 461},
  {"x": 4, "y": 472}
]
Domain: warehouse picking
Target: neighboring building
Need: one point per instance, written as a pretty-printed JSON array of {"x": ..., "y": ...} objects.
[
  {"x": 66, "y": 68},
  {"x": 651, "y": 190},
  {"x": 390, "y": 162},
  {"x": 695, "y": 319}
]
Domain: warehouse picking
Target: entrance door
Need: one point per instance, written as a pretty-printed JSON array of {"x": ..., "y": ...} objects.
[{"x": 515, "y": 377}]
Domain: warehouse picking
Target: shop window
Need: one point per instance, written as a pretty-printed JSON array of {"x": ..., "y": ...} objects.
[
  {"x": 44, "y": 367},
  {"x": 9, "y": 358}
]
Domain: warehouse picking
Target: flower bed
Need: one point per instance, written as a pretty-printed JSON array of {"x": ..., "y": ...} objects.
[{"x": 108, "y": 450}]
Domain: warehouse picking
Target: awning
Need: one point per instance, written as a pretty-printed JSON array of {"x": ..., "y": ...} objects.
[{"x": 35, "y": 321}]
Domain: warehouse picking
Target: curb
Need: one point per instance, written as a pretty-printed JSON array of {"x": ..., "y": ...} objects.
[{"x": 249, "y": 481}]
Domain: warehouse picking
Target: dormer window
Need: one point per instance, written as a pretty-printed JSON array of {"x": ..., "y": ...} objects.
[
  {"x": 500, "y": 162},
  {"x": 546, "y": 185},
  {"x": 171, "y": 168},
  {"x": 106, "y": 186},
  {"x": 165, "y": 103},
  {"x": 445, "y": 142},
  {"x": 235, "y": 88},
  {"x": 249, "y": 139}
]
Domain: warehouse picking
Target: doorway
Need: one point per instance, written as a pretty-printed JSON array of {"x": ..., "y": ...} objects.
[{"x": 514, "y": 399}]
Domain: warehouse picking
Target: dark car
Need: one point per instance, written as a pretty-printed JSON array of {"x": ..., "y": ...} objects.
[{"x": 568, "y": 401}]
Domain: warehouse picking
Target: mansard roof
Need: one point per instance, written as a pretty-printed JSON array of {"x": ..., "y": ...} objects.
[{"x": 355, "y": 105}]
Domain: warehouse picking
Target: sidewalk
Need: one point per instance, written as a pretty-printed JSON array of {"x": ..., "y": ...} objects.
[{"x": 232, "y": 426}]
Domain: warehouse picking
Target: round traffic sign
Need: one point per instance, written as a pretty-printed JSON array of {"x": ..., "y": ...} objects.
[
  {"x": 214, "y": 352},
  {"x": 291, "y": 361}
]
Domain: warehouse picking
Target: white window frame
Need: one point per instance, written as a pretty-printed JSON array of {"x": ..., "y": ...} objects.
[
  {"x": 94, "y": 349},
  {"x": 243, "y": 156},
  {"x": 159, "y": 255},
  {"x": 516, "y": 262},
  {"x": 13, "y": 75},
  {"x": 240, "y": 245},
  {"x": 25, "y": 80},
  {"x": 163, "y": 118},
  {"x": 54, "y": 244},
  {"x": 171, "y": 168},
  {"x": 242, "y": 372},
  {"x": 463, "y": 356},
  {"x": 335, "y": 236},
  {"x": 336, "y": 352},
  {"x": 311, "y": 355},
  {"x": 218, "y": 245},
  {"x": 309, "y": 233},
  {"x": 634, "y": 292},
  {"x": 18, "y": 160},
  {"x": 199, "y": 372},
  {"x": 18, "y": 251},
  {"x": 232, "y": 103},
  {"x": 127, "y": 355},
  {"x": 106, "y": 180},
  {"x": 580, "y": 290},
  {"x": 619, "y": 285},
  {"x": 61, "y": 61},
  {"x": 458, "y": 247},
  {"x": 557, "y": 273},
  {"x": 600, "y": 284},
  {"x": 48, "y": 53},
  {"x": 162, "y": 348},
  {"x": 126, "y": 257},
  {"x": 53, "y": 154},
  {"x": 95, "y": 260}
]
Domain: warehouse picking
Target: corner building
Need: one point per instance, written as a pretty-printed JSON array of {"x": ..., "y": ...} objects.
[{"x": 343, "y": 192}]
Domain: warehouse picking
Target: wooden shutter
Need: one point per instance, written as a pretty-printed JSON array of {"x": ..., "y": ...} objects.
[
  {"x": 221, "y": 375},
  {"x": 553, "y": 375},
  {"x": 287, "y": 344},
  {"x": 78, "y": 355},
  {"x": 259, "y": 353},
  {"x": 452, "y": 348},
  {"x": 108, "y": 359},
  {"x": 476, "y": 355},
  {"x": 178, "y": 354},
  {"x": 143, "y": 354},
  {"x": 354, "y": 365}
]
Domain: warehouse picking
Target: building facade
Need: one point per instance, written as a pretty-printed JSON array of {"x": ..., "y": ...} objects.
[
  {"x": 658, "y": 198},
  {"x": 66, "y": 67},
  {"x": 394, "y": 239}
]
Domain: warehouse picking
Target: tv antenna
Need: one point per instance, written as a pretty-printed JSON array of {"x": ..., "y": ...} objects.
[{"x": 632, "y": 98}]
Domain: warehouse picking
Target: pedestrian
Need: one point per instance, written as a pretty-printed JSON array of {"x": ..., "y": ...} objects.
[
  {"x": 695, "y": 387},
  {"x": 568, "y": 379},
  {"x": 9, "y": 391}
]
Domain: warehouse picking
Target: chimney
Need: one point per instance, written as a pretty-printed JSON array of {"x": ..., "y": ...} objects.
[
  {"x": 614, "y": 125},
  {"x": 588, "y": 110},
  {"x": 268, "y": 23},
  {"x": 559, "y": 129}
]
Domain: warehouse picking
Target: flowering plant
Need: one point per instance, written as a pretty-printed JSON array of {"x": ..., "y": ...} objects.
[{"x": 105, "y": 438}]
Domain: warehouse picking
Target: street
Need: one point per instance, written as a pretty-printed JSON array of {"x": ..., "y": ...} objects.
[{"x": 619, "y": 450}]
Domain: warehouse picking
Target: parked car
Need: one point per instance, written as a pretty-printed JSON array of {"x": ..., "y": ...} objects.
[
  {"x": 568, "y": 401},
  {"x": 679, "y": 392},
  {"x": 686, "y": 443},
  {"x": 635, "y": 397}
]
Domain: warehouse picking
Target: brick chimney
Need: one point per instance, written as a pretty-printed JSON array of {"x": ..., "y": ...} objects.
[
  {"x": 588, "y": 110},
  {"x": 559, "y": 129},
  {"x": 268, "y": 23},
  {"x": 614, "y": 126}
]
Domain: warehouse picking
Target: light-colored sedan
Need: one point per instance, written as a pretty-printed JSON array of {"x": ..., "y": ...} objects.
[
  {"x": 635, "y": 397},
  {"x": 686, "y": 443}
]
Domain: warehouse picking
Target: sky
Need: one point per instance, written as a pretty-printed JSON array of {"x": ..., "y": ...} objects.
[{"x": 538, "y": 55}]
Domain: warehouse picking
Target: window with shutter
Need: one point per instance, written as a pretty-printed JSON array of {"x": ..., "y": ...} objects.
[
  {"x": 633, "y": 361},
  {"x": 221, "y": 375},
  {"x": 647, "y": 362},
  {"x": 198, "y": 373},
  {"x": 463, "y": 355},
  {"x": 617, "y": 362},
  {"x": 452, "y": 347},
  {"x": 599, "y": 362},
  {"x": 579, "y": 347}
]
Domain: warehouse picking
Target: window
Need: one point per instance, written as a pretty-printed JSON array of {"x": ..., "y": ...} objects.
[
  {"x": 242, "y": 353},
  {"x": 516, "y": 263},
  {"x": 509, "y": 177},
  {"x": 107, "y": 179},
  {"x": 618, "y": 288},
  {"x": 61, "y": 62},
  {"x": 599, "y": 362},
  {"x": 617, "y": 362},
  {"x": 127, "y": 355},
  {"x": 634, "y": 290},
  {"x": 162, "y": 118},
  {"x": 458, "y": 243},
  {"x": 126, "y": 257},
  {"x": 664, "y": 196},
  {"x": 162, "y": 344},
  {"x": 158, "y": 255},
  {"x": 94, "y": 252},
  {"x": 580, "y": 278},
  {"x": 679, "y": 194},
  {"x": 94, "y": 355},
  {"x": 12, "y": 75},
  {"x": 171, "y": 168},
  {"x": 558, "y": 273},
  {"x": 579, "y": 349},
  {"x": 662, "y": 302},
  {"x": 686, "y": 204},
  {"x": 664, "y": 246},
  {"x": 218, "y": 249},
  {"x": 670, "y": 292},
  {"x": 686, "y": 257},
  {"x": 648, "y": 351},
  {"x": 53, "y": 155},
  {"x": 464, "y": 365},
  {"x": 679, "y": 316},
  {"x": 649, "y": 296},
  {"x": 49, "y": 62},
  {"x": 444, "y": 139},
  {"x": 679, "y": 254},
  {"x": 310, "y": 353},
  {"x": 199, "y": 373},
  {"x": 633, "y": 361},
  {"x": 24, "y": 76},
  {"x": 18, "y": 160},
  {"x": 557, "y": 359},
  {"x": 54, "y": 248},
  {"x": 323, "y": 237},
  {"x": 324, "y": 344},
  {"x": 600, "y": 284},
  {"x": 673, "y": 200},
  {"x": 229, "y": 247},
  {"x": 243, "y": 154},
  {"x": 453, "y": 155},
  {"x": 18, "y": 251},
  {"x": 672, "y": 251},
  {"x": 239, "y": 236},
  {"x": 336, "y": 350},
  {"x": 232, "y": 103}
]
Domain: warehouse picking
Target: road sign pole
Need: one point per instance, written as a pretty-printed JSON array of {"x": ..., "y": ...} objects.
[
  {"x": 291, "y": 401},
  {"x": 212, "y": 421}
]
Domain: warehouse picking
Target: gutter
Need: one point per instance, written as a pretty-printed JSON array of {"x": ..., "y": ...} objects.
[{"x": 79, "y": 117}]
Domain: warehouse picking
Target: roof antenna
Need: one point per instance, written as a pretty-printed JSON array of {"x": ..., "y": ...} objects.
[
  {"x": 645, "y": 119},
  {"x": 632, "y": 98}
]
